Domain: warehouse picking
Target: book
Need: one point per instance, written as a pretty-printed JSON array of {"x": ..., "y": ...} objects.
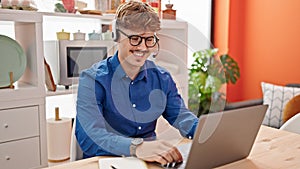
[{"x": 122, "y": 163}]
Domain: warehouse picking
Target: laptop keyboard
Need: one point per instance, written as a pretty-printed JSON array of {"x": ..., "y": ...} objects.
[
  {"x": 174, "y": 166},
  {"x": 184, "y": 150}
]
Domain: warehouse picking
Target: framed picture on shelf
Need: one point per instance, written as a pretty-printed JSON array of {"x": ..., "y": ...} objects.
[{"x": 49, "y": 78}]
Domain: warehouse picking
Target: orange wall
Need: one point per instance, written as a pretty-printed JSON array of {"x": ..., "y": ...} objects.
[
  {"x": 264, "y": 37},
  {"x": 221, "y": 25}
]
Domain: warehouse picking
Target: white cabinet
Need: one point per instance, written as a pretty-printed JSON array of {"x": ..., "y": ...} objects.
[
  {"x": 24, "y": 126},
  {"x": 173, "y": 39},
  {"x": 20, "y": 154},
  {"x": 22, "y": 109}
]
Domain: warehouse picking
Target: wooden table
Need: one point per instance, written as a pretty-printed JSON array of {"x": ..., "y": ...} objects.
[{"x": 273, "y": 149}]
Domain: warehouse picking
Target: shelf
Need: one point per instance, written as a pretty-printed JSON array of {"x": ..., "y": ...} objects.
[
  {"x": 173, "y": 24},
  {"x": 101, "y": 17},
  {"x": 20, "y": 16},
  {"x": 22, "y": 91},
  {"x": 33, "y": 16},
  {"x": 28, "y": 33},
  {"x": 55, "y": 22},
  {"x": 60, "y": 90}
]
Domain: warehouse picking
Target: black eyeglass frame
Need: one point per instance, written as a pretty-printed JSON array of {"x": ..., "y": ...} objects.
[{"x": 156, "y": 39}]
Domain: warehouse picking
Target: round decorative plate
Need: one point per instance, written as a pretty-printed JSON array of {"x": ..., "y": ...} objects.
[{"x": 12, "y": 59}]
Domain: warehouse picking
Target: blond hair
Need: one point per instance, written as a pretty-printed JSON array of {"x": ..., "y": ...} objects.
[{"x": 137, "y": 16}]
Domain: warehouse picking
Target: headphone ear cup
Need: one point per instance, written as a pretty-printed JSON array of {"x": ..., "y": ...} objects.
[
  {"x": 115, "y": 33},
  {"x": 154, "y": 54},
  {"x": 117, "y": 36}
]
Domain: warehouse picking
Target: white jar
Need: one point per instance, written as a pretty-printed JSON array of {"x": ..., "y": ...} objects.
[
  {"x": 107, "y": 35},
  {"x": 79, "y": 35}
]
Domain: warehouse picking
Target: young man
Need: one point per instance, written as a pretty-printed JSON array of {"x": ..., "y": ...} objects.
[{"x": 121, "y": 98}]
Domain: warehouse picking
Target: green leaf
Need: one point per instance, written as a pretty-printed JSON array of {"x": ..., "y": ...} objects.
[
  {"x": 232, "y": 70},
  {"x": 206, "y": 76}
]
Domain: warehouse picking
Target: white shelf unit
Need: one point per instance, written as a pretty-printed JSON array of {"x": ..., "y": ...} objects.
[
  {"x": 55, "y": 22},
  {"x": 22, "y": 109},
  {"x": 173, "y": 54},
  {"x": 63, "y": 98},
  {"x": 28, "y": 33}
]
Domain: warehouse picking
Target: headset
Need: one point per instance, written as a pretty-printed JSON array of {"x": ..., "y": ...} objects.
[
  {"x": 115, "y": 36},
  {"x": 154, "y": 54}
]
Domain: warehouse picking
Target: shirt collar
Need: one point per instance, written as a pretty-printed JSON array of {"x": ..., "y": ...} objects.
[
  {"x": 143, "y": 72},
  {"x": 114, "y": 61},
  {"x": 117, "y": 68}
]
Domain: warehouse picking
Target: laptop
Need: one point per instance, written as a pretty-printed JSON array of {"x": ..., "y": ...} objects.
[{"x": 222, "y": 138}]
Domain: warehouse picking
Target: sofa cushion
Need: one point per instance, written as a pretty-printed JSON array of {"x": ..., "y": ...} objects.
[
  {"x": 276, "y": 97},
  {"x": 291, "y": 108}
]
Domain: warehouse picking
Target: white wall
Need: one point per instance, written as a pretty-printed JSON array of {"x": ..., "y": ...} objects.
[
  {"x": 198, "y": 14},
  {"x": 66, "y": 104},
  {"x": 7, "y": 28}
]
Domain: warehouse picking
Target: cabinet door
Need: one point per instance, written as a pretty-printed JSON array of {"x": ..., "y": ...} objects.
[
  {"x": 19, "y": 123},
  {"x": 19, "y": 154}
]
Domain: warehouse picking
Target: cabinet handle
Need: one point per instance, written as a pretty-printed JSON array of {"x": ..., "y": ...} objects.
[
  {"x": 5, "y": 125},
  {"x": 7, "y": 157}
]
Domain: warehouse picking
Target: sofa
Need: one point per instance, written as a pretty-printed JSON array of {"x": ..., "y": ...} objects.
[{"x": 276, "y": 97}]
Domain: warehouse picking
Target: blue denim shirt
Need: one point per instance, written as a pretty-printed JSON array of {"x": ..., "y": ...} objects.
[{"x": 112, "y": 109}]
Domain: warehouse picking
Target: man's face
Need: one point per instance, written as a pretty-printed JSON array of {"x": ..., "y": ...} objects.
[{"x": 133, "y": 49}]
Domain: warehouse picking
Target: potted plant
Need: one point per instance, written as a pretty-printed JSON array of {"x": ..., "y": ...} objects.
[{"x": 207, "y": 74}]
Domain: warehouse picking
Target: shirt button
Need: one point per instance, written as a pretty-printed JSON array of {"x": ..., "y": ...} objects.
[
  {"x": 133, "y": 105},
  {"x": 190, "y": 137},
  {"x": 139, "y": 127},
  {"x": 132, "y": 83}
]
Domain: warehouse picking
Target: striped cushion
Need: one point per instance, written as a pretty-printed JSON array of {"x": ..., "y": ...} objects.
[{"x": 276, "y": 97}]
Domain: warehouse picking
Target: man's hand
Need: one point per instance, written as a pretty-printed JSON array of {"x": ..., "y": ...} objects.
[{"x": 158, "y": 151}]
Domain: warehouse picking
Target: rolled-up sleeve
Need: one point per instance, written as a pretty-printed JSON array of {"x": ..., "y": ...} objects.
[
  {"x": 176, "y": 112},
  {"x": 91, "y": 133}
]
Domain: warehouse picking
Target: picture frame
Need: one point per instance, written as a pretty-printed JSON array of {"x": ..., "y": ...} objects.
[{"x": 51, "y": 86}]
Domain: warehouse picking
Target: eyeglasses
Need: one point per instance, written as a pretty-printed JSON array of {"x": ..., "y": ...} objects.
[{"x": 136, "y": 40}]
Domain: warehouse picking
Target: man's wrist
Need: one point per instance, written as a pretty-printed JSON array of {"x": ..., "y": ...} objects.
[{"x": 134, "y": 143}]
